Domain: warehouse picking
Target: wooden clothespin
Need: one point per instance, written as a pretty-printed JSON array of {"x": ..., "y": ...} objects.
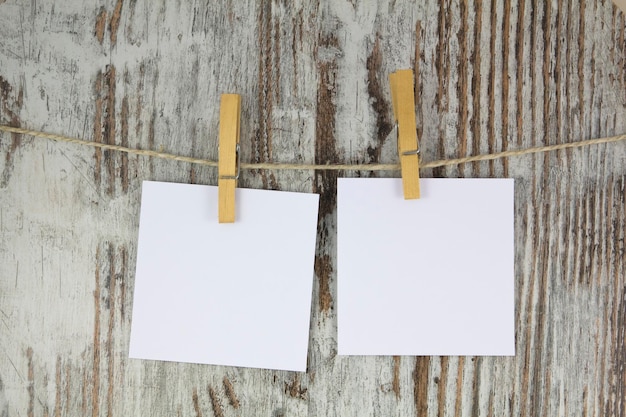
[
  {"x": 403, "y": 100},
  {"x": 228, "y": 165}
]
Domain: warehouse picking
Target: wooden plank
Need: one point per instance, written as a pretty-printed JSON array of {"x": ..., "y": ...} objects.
[{"x": 489, "y": 76}]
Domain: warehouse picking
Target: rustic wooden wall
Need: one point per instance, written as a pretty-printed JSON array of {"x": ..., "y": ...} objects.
[{"x": 490, "y": 75}]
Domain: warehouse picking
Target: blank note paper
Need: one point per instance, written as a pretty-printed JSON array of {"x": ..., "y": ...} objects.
[
  {"x": 432, "y": 276},
  {"x": 227, "y": 294}
]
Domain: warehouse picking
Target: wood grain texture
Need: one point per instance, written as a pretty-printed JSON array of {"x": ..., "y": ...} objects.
[{"x": 489, "y": 76}]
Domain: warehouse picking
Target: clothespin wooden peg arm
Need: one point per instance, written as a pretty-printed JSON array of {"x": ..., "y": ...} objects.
[
  {"x": 228, "y": 165},
  {"x": 403, "y": 100}
]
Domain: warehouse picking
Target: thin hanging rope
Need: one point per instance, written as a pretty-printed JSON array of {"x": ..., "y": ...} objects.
[{"x": 322, "y": 167}]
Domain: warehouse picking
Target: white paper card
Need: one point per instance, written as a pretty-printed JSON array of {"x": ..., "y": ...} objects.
[
  {"x": 432, "y": 276},
  {"x": 227, "y": 294}
]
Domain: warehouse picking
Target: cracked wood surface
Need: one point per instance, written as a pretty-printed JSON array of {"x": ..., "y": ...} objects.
[{"x": 489, "y": 76}]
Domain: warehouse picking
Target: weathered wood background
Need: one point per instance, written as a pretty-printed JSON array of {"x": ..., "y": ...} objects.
[{"x": 490, "y": 75}]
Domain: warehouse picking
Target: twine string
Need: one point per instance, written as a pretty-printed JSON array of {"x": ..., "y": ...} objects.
[{"x": 323, "y": 167}]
